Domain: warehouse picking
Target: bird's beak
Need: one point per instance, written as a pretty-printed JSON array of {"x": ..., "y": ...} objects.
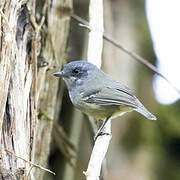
[{"x": 59, "y": 74}]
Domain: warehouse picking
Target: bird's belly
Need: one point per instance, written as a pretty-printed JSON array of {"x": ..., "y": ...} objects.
[{"x": 100, "y": 112}]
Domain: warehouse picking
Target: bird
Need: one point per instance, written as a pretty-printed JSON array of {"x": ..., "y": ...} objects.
[{"x": 96, "y": 94}]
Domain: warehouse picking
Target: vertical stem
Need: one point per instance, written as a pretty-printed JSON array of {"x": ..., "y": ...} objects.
[
  {"x": 96, "y": 34},
  {"x": 94, "y": 56}
]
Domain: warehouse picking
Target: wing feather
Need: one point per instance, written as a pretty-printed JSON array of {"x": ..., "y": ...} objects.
[{"x": 112, "y": 96}]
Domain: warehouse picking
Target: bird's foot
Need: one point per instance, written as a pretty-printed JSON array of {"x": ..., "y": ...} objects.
[{"x": 101, "y": 134}]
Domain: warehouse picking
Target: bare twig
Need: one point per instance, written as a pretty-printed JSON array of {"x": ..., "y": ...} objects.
[
  {"x": 127, "y": 51},
  {"x": 34, "y": 94},
  {"x": 29, "y": 171},
  {"x": 36, "y": 26},
  {"x": 95, "y": 46},
  {"x": 31, "y": 163}
]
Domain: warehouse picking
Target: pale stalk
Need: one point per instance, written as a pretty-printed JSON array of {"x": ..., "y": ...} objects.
[{"x": 94, "y": 56}]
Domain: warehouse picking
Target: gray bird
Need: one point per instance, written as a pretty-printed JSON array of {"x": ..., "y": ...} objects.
[{"x": 96, "y": 94}]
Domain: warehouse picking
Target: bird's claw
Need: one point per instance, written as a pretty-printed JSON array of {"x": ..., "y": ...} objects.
[{"x": 101, "y": 134}]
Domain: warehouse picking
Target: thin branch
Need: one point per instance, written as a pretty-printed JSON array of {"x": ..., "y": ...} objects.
[
  {"x": 29, "y": 162},
  {"x": 29, "y": 171},
  {"x": 126, "y": 50},
  {"x": 95, "y": 46},
  {"x": 35, "y": 47}
]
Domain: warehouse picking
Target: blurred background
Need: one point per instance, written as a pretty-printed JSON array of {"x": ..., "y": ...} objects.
[{"x": 139, "y": 149}]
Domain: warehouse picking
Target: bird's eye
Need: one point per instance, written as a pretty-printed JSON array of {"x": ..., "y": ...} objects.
[{"x": 75, "y": 71}]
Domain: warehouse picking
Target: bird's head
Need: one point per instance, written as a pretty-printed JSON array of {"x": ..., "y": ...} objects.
[{"x": 77, "y": 72}]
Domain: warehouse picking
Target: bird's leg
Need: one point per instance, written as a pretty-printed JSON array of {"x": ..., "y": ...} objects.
[{"x": 100, "y": 132}]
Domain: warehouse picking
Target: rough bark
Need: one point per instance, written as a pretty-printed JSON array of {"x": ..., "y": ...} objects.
[{"x": 28, "y": 91}]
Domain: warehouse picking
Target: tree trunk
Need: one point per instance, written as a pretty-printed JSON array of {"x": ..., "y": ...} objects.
[{"x": 28, "y": 53}]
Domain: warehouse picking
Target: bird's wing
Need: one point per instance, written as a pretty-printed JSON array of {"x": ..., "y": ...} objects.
[
  {"x": 111, "y": 96},
  {"x": 118, "y": 95}
]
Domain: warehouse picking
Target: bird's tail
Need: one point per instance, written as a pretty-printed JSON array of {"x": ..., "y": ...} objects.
[
  {"x": 141, "y": 109},
  {"x": 146, "y": 113}
]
